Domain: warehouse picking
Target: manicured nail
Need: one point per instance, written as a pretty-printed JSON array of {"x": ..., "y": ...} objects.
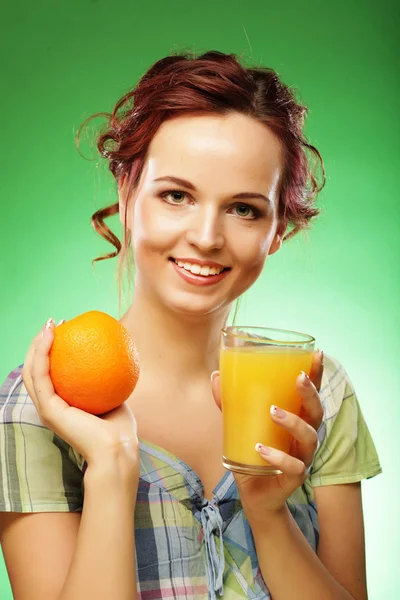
[
  {"x": 264, "y": 450},
  {"x": 304, "y": 378},
  {"x": 60, "y": 322},
  {"x": 213, "y": 375},
  {"x": 277, "y": 412},
  {"x": 48, "y": 325}
]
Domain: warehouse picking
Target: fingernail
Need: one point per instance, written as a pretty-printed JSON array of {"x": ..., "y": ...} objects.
[
  {"x": 48, "y": 325},
  {"x": 277, "y": 412},
  {"x": 60, "y": 322},
  {"x": 265, "y": 450},
  {"x": 213, "y": 375},
  {"x": 304, "y": 378},
  {"x": 322, "y": 357}
]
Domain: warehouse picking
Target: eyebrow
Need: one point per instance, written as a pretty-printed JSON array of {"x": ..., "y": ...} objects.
[{"x": 187, "y": 184}]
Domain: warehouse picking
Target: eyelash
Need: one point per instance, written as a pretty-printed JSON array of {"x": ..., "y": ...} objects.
[{"x": 255, "y": 211}]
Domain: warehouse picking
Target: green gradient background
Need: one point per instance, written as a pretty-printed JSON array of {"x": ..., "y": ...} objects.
[{"x": 65, "y": 61}]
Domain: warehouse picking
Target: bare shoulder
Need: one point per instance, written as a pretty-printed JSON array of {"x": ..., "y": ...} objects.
[
  {"x": 341, "y": 545},
  {"x": 38, "y": 549}
]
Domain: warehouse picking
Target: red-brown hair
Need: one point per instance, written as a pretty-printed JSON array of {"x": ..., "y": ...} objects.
[{"x": 214, "y": 83}]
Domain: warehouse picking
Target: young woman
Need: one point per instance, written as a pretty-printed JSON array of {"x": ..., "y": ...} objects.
[{"x": 212, "y": 173}]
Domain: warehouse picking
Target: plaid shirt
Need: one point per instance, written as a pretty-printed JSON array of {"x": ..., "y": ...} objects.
[{"x": 186, "y": 546}]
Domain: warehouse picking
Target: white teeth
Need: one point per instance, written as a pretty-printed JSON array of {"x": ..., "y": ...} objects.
[
  {"x": 205, "y": 270},
  {"x": 196, "y": 269}
]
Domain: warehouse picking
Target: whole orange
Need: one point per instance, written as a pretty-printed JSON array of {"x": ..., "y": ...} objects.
[{"x": 94, "y": 364}]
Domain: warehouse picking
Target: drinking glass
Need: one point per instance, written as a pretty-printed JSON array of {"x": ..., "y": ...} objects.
[{"x": 258, "y": 368}]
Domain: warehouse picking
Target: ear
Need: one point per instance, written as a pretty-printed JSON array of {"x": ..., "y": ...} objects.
[
  {"x": 278, "y": 239},
  {"x": 123, "y": 199}
]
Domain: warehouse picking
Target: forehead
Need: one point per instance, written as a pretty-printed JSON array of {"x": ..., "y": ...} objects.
[{"x": 221, "y": 150}]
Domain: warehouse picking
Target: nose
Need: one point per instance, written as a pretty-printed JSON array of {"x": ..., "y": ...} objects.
[{"x": 206, "y": 230}]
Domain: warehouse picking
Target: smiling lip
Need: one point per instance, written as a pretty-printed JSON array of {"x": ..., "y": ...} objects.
[
  {"x": 199, "y": 279},
  {"x": 202, "y": 263}
]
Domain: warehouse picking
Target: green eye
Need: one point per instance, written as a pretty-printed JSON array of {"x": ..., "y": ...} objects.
[
  {"x": 242, "y": 210},
  {"x": 174, "y": 197},
  {"x": 177, "y": 197}
]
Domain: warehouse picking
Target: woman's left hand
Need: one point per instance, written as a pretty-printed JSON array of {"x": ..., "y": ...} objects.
[{"x": 261, "y": 495}]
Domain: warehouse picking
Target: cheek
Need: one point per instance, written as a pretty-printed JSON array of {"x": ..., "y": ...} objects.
[
  {"x": 251, "y": 250},
  {"x": 252, "y": 270},
  {"x": 251, "y": 253},
  {"x": 152, "y": 229}
]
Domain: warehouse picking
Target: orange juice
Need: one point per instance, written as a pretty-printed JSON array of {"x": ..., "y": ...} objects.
[{"x": 253, "y": 378}]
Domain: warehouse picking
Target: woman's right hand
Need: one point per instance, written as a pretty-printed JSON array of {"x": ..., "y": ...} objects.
[{"x": 98, "y": 439}]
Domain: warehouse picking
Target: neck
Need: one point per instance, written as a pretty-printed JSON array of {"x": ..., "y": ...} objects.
[{"x": 171, "y": 344}]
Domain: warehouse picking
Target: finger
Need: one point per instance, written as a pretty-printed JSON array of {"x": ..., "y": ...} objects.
[
  {"x": 289, "y": 465},
  {"x": 305, "y": 435},
  {"x": 317, "y": 369},
  {"x": 27, "y": 368},
  {"x": 216, "y": 387},
  {"x": 47, "y": 399},
  {"x": 311, "y": 407}
]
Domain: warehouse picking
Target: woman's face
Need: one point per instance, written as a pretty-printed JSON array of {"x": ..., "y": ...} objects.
[{"x": 221, "y": 215}]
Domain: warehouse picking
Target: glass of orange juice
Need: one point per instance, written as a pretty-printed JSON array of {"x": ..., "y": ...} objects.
[{"x": 259, "y": 367}]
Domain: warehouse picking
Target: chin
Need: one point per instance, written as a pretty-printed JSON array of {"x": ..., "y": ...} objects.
[{"x": 196, "y": 306}]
